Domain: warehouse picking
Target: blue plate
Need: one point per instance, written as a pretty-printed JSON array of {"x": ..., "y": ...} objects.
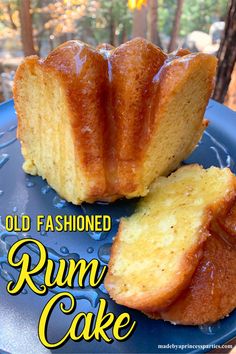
[{"x": 21, "y": 193}]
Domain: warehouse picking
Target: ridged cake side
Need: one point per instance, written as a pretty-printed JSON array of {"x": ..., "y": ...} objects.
[
  {"x": 158, "y": 248},
  {"x": 181, "y": 91},
  {"x": 133, "y": 66},
  {"x": 60, "y": 106},
  {"x": 101, "y": 124}
]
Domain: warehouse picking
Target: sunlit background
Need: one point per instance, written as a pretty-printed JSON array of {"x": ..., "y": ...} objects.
[{"x": 37, "y": 27}]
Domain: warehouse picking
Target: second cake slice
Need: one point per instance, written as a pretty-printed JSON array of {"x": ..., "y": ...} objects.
[{"x": 158, "y": 248}]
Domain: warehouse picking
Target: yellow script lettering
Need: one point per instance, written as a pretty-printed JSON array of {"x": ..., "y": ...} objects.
[
  {"x": 93, "y": 327},
  {"x": 25, "y": 263}
]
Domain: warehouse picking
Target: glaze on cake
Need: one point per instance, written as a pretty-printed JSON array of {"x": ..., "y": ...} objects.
[{"x": 101, "y": 124}]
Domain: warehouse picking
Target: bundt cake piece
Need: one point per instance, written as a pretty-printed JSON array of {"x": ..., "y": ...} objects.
[
  {"x": 100, "y": 124},
  {"x": 158, "y": 248}
]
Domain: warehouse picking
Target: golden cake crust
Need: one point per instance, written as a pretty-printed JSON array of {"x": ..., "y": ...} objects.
[
  {"x": 155, "y": 300},
  {"x": 133, "y": 66}
]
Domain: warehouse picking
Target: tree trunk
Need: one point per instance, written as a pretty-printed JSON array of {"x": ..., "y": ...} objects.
[
  {"x": 13, "y": 25},
  {"x": 226, "y": 54},
  {"x": 140, "y": 23},
  {"x": 153, "y": 34},
  {"x": 41, "y": 30},
  {"x": 26, "y": 28},
  {"x": 112, "y": 26},
  {"x": 124, "y": 36},
  {"x": 175, "y": 31},
  {"x": 112, "y": 31}
]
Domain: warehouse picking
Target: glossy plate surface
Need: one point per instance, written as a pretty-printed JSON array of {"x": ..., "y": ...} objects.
[{"x": 21, "y": 193}]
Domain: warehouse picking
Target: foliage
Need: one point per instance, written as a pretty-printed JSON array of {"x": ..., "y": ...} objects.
[
  {"x": 9, "y": 18},
  {"x": 88, "y": 20},
  {"x": 97, "y": 21},
  {"x": 197, "y": 15},
  {"x": 111, "y": 18},
  {"x": 136, "y": 4}
]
